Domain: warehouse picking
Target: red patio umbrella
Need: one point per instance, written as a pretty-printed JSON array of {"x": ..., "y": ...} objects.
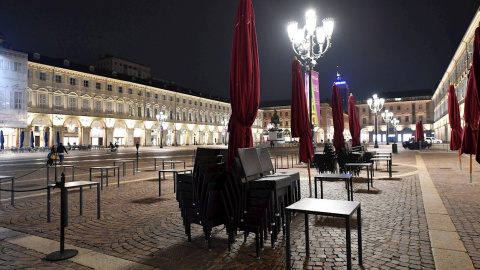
[
  {"x": 475, "y": 72},
  {"x": 470, "y": 115},
  {"x": 353, "y": 121},
  {"x": 419, "y": 132},
  {"x": 455, "y": 124},
  {"x": 300, "y": 118},
  {"x": 244, "y": 81},
  {"x": 337, "y": 114}
]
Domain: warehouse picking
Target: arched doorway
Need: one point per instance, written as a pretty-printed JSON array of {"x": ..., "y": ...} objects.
[
  {"x": 97, "y": 133},
  {"x": 119, "y": 133},
  {"x": 71, "y": 134}
]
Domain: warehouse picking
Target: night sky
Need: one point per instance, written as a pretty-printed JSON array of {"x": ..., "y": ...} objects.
[{"x": 377, "y": 45}]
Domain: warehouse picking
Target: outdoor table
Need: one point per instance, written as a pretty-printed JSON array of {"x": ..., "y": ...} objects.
[
  {"x": 348, "y": 183},
  {"x": 279, "y": 185},
  {"x": 64, "y": 168},
  {"x": 333, "y": 208},
  {"x": 281, "y": 161},
  {"x": 387, "y": 159},
  {"x": 367, "y": 165},
  {"x": 275, "y": 164},
  {"x": 6, "y": 177},
  {"x": 175, "y": 173},
  {"x": 161, "y": 158},
  {"x": 106, "y": 168},
  {"x": 72, "y": 185},
  {"x": 124, "y": 165},
  {"x": 172, "y": 164}
]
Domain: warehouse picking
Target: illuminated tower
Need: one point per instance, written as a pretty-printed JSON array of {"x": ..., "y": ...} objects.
[{"x": 343, "y": 92}]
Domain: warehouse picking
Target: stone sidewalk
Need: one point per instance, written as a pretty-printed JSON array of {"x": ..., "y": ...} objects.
[{"x": 139, "y": 230}]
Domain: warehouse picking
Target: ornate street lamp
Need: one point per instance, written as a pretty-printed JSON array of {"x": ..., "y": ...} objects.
[
  {"x": 310, "y": 43},
  {"x": 161, "y": 119},
  {"x": 395, "y": 122},
  {"x": 225, "y": 125},
  {"x": 387, "y": 118},
  {"x": 376, "y": 105}
]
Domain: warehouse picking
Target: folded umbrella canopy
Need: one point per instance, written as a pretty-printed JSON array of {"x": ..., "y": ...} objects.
[
  {"x": 46, "y": 138},
  {"x": 31, "y": 139},
  {"x": 353, "y": 122},
  {"x": 455, "y": 124},
  {"x": 22, "y": 137},
  {"x": 337, "y": 115},
  {"x": 244, "y": 81},
  {"x": 2, "y": 140},
  {"x": 58, "y": 138},
  {"x": 300, "y": 118}
]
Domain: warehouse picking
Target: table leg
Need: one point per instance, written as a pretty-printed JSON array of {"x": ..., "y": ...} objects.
[
  {"x": 390, "y": 167},
  {"x": 48, "y": 204},
  {"x": 159, "y": 183},
  {"x": 98, "y": 202},
  {"x": 73, "y": 174},
  {"x": 184, "y": 165},
  {"x": 288, "y": 241},
  {"x": 349, "y": 244},
  {"x": 174, "y": 181},
  {"x": 155, "y": 164},
  {"x": 133, "y": 167},
  {"x": 101, "y": 178},
  {"x": 118, "y": 177},
  {"x": 107, "y": 177},
  {"x": 321, "y": 188},
  {"x": 359, "y": 228},
  {"x": 315, "y": 182},
  {"x": 81, "y": 201},
  {"x": 114, "y": 164},
  {"x": 66, "y": 207},
  {"x": 351, "y": 188},
  {"x": 12, "y": 194},
  {"x": 307, "y": 237},
  {"x": 48, "y": 175},
  {"x": 368, "y": 178}
]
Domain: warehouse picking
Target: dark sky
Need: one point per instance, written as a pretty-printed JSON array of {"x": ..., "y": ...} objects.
[{"x": 378, "y": 45}]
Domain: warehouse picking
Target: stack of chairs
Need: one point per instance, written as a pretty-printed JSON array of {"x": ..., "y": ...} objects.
[
  {"x": 204, "y": 196},
  {"x": 326, "y": 162},
  {"x": 271, "y": 193}
]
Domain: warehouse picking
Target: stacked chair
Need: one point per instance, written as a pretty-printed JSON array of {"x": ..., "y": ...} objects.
[{"x": 248, "y": 198}]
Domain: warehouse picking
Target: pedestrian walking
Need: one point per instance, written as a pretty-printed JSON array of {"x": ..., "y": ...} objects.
[
  {"x": 61, "y": 150},
  {"x": 52, "y": 156}
]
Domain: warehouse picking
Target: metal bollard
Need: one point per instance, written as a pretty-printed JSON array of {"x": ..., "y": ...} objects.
[{"x": 63, "y": 253}]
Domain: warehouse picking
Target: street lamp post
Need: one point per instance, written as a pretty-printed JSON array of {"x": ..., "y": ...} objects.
[
  {"x": 395, "y": 122},
  {"x": 387, "y": 118},
  {"x": 225, "y": 125},
  {"x": 310, "y": 49},
  {"x": 161, "y": 119},
  {"x": 376, "y": 105}
]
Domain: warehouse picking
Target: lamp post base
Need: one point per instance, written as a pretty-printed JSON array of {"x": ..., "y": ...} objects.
[
  {"x": 376, "y": 145},
  {"x": 60, "y": 256}
]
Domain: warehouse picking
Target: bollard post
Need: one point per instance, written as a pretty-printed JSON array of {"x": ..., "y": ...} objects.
[
  {"x": 63, "y": 253},
  {"x": 137, "y": 145}
]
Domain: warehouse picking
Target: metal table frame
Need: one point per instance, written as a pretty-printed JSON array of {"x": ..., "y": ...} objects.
[
  {"x": 124, "y": 165},
  {"x": 101, "y": 173},
  {"x": 64, "y": 170},
  {"x": 333, "y": 208},
  {"x": 175, "y": 174},
  {"x": 389, "y": 163},
  {"x": 346, "y": 177},
  {"x": 161, "y": 158},
  {"x": 288, "y": 156},
  {"x": 367, "y": 165},
  {"x": 72, "y": 185}
]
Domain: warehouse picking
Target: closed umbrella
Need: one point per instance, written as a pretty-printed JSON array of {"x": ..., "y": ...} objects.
[
  {"x": 22, "y": 137},
  {"x": 58, "y": 138},
  {"x": 475, "y": 70},
  {"x": 31, "y": 139},
  {"x": 337, "y": 115},
  {"x": 470, "y": 115},
  {"x": 300, "y": 118},
  {"x": 46, "y": 138},
  {"x": 244, "y": 81},
  {"x": 2, "y": 140},
  {"x": 455, "y": 124},
  {"x": 353, "y": 121}
]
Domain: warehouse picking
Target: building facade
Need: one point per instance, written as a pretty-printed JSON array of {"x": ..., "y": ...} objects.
[
  {"x": 456, "y": 74},
  {"x": 87, "y": 105},
  {"x": 111, "y": 63},
  {"x": 408, "y": 107}
]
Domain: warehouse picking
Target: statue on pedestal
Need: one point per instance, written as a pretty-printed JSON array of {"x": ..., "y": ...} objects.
[{"x": 275, "y": 120}]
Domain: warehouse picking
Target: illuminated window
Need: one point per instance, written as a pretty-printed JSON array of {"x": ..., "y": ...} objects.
[
  {"x": 18, "y": 100},
  {"x": 42, "y": 100}
]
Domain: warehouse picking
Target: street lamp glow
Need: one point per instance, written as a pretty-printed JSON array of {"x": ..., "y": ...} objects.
[
  {"x": 310, "y": 43},
  {"x": 161, "y": 118},
  {"x": 376, "y": 105},
  {"x": 395, "y": 122},
  {"x": 387, "y": 117}
]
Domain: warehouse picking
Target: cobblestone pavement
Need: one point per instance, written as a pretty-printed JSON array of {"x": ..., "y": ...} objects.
[{"x": 139, "y": 226}]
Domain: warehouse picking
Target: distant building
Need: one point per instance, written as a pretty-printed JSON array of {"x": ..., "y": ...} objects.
[
  {"x": 343, "y": 91},
  {"x": 13, "y": 93},
  {"x": 112, "y": 63},
  {"x": 407, "y": 106}
]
